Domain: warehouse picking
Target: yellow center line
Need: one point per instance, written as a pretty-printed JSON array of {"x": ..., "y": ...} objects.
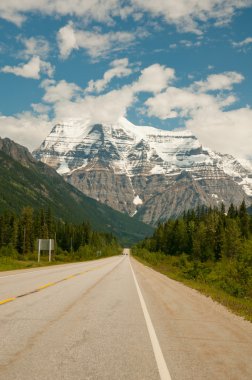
[
  {"x": 53, "y": 283},
  {"x": 46, "y": 285},
  {"x": 7, "y": 300},
  {"x": 71, "y": 276}
]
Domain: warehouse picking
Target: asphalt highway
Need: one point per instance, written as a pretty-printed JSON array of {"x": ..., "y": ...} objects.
[{"x": 115, "y": 319}]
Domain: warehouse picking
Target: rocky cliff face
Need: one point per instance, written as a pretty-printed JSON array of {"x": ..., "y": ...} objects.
[
  {"x": 149, "y": 173},
  {"x": 17, "y": 152}
]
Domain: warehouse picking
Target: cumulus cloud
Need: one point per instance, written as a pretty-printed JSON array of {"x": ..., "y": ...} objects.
[
  {"x": 25, "y": 128},
  {"x": 111, "y": 106},
  {"x": 119, "y": 68},
  {"x": 32, "y": 69},
  {"x": 224, "y": 81},
  {"x": 41, "y": 108},
  {"x": 154, "y": 79},
  {"x": 226, "y": 131},
  {"x": 67, "y": 40},
  {"x": 69, "y": 100},
  {"x": 176, "y": 102},
  {"x": 95, "y": 43},
  {"x": 61, "y": 91}
]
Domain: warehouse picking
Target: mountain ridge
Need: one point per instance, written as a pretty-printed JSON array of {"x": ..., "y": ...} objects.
[{"x": 137, "y": 170}]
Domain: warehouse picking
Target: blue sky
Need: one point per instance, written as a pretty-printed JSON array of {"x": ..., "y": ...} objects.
[{"x": 168, "y": 63}]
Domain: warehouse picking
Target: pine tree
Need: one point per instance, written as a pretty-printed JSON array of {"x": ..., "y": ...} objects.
[
  {"x": 232, "y": 213},
  {"x": 222, "y": 209},
  {"x": 28, "y": 243},
  {"x": 244, "y": 220},
  {"x": 232, "y": 244},
  {"x": 219, "y": 239}
]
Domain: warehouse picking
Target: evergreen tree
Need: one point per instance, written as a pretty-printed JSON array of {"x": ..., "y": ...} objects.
[
  {"x": 219, "y": 240},
  {"x": 244, "y": 220},
  {"x": 232, "y": 211},
  {"x": 232, "y": 244},
  {"x": 222, "y": 210},
  {"x": 26, "y": 229}
]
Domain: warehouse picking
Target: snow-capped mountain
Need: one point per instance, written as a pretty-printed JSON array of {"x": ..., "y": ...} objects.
[{"x": 144, "y": 171}]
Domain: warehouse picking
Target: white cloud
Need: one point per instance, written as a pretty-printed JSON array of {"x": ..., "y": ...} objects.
[
  {"x": 186, "y": 102},
  {"x": 70, "y": 101},
  {"x": 59, "y": 92},
  {"x": 46, "y": 68},
  {"x": 40, "y": 108},
  {"x": 25, "y": 129},
  {"x": 189, "y": 44},
  {"x": 32, "y": 69},
  {"x": 119, "y": 68},
  {"x": 186, "y": 15},
  {"x": 96, "y": 44},
  {"x": 224, "y": 131},
  {"x": 176, "y": 102},
  {"x": 16, "y": 11},
  {"x": 111, "y": 106},
  {"x": 67, "y": 41},
  {"x": 224, "y": 81},
  {"x": 205, "y": 114},
  {"x": 35, "y": 46},
  {"x": 186, "y": 44},
  {"x": 245, "y": 42},
  {"x": 154, "y": 79}
]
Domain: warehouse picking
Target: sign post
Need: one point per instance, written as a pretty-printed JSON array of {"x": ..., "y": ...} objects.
[
  {"x": 39, "y": 241},
  {"x": 45, "y": 245},
  {"x": 50, "y": 250}
]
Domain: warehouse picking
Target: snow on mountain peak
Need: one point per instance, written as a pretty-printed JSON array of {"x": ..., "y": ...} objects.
[{"x": 129, "y": 149}]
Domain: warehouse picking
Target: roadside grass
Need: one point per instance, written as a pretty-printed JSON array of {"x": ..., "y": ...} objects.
[
  {"x": 8, "y": 263},
  {"x": 168, "y": 266},
  {"x": 30, "y": 261}
]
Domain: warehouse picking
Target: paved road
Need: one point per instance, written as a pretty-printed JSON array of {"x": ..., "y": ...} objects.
[{"x": 103, "y": 320}]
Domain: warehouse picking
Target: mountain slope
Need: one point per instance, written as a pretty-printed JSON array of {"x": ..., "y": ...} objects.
[
  {"x": 26, "y": 182},
  {"x": 143, "y": 171}
]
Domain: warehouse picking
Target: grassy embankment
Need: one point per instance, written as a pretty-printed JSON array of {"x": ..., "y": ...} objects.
[
  {"x": 83, "y": 254},
  {"x": 214, "y": 280}
]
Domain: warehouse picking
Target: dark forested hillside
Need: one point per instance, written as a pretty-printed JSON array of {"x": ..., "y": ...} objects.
[{"x": 26, "y": 182}]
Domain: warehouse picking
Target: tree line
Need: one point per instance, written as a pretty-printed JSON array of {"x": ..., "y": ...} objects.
[
  {"x": 203, "y": 234},
  {"x": 208, "y": 245},
  {"x": 19, "y": 234}
]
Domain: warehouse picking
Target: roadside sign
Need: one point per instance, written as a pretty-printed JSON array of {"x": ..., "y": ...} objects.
[{"x": 45, "y": 245}]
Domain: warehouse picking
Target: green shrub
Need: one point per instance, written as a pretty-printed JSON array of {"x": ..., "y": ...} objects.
[{"x": 8, "y": 251}]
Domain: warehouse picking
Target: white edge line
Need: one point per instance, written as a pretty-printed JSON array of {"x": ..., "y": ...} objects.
[{"x": 162, "y": 367}]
